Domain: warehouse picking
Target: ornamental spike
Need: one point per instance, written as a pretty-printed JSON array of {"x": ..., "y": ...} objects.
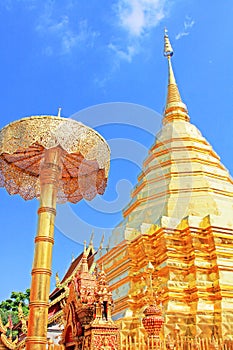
[{"x": 175, "y": 108}]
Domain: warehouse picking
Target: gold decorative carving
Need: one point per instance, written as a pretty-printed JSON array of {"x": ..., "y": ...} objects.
[
  {"x": 8, "y": 342},
  {"x": 3, "y": 329},
  {"x": 85, "y": 157},
  {"x": 55, "y": 317},
  {"x": 23, "y": 319}
]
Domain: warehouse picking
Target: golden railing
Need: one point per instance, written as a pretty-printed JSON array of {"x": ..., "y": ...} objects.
[{"x": 182, "y": 343}]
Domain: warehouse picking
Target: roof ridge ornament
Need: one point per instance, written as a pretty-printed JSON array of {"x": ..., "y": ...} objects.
[
  {"x": 84, "y": 246},
  {"x": 91, "y": 238}
]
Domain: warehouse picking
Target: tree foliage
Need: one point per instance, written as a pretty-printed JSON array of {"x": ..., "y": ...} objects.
[{"x": 9, "y": 307}]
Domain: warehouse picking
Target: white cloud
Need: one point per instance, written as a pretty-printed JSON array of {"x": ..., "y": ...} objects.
[
  {"x": 62, "y": 35},
  {"x": 136, "y": 18},
  {"x": 188, "y": 24},
  {"x": 139, "y": 16},
  {"x": 180, "y": 34},
  {"x": 126, "y": 54}
]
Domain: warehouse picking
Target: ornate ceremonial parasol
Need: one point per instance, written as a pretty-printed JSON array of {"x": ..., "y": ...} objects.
[{"x": 56, "y": 160}]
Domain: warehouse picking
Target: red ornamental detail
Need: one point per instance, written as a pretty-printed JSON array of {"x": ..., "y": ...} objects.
[{"x": 153, "y": 320}]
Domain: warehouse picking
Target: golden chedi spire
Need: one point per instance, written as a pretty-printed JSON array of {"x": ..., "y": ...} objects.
[
  {"x": 175, "y": 108},
  {"x": 180, "y": 219}
]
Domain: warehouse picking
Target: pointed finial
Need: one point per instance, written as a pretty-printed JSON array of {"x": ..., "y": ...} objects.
[
  {"x": 59, "y": 112},
  {"x": 72, "y": 257},
  {"x": 102, "y": 240},
  {"x": 57, "y": 279},
  {"x": 84, "y": 266},
  {"x": 85, "y": 246},
  {"x": 168, "y": 51},
  {"x": 101, "y": 244},
  {"x": 175, "y": 109},
  {"x": 91, "y": 238},
  {"x": 150, "y": 267}
]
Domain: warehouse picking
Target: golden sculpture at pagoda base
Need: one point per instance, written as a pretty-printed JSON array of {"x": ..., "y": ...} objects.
[{"x": 195, "y": 291}]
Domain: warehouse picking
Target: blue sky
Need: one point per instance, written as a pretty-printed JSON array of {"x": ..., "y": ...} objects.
[{"x": 86, "y": 56}]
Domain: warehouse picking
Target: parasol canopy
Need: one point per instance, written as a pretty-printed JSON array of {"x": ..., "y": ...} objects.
[{"x": 85, "y": 157}]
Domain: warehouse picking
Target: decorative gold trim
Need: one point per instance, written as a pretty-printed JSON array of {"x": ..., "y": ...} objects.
[
  {"x": 47, "y": 210},
  {"x": 8, "y": 343},
  {"x": 44, "y": 239},
  {"x": 23, "y": 319},
  {"x": 59, "y": 298},
  {"x": 41, "y": 270},
  {"x": 55, "y": 316},
  {"x": 3, "y": 328}
]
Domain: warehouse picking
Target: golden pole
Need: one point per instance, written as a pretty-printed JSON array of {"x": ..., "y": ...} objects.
[{"x": 41, "y": 271}]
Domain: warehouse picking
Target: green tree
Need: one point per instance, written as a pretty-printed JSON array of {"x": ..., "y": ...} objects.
[{"x": 9, "y": 307}]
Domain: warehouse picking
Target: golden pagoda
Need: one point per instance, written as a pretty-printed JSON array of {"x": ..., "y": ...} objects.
[
  {"x": 169, "y": 267},
  {"x": 180, "y": 221}
]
